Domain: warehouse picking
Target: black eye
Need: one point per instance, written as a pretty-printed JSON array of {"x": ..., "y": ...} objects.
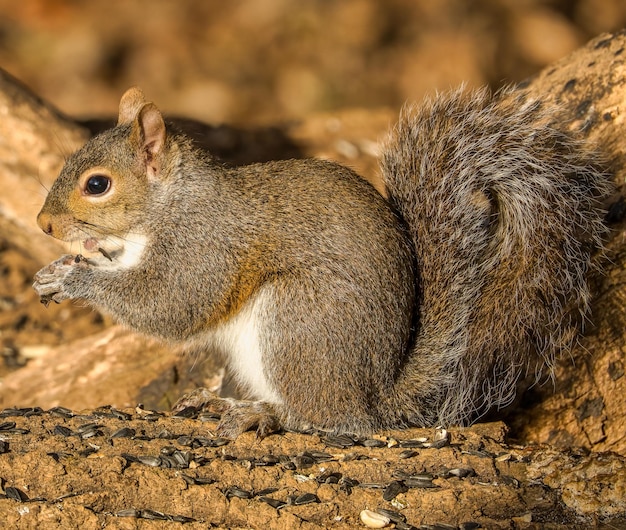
[{"x": 97, "y": 184}]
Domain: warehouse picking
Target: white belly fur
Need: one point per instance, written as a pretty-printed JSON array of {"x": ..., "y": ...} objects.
[{"x": 238, "y": 339}]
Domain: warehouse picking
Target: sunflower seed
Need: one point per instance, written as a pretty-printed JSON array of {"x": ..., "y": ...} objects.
[
  {"x": 394, "y": 489},
  {"x": 131, "y": 512},
  {"x": 62, "y": 430},
  {"x": 419, "y": 483},
  {"x": 346, "y": 484},
  {"x": 461, "y": 472},
  {"x": 153, "y": 515},
  {"x": 305, "y": 498},
  {"x": 124, "y": 432},
  {"x": 120, "y": 415},
  {"x": 372, "y": 442},
  {"x": 341, "y": 441},
  {"x": 62, "y": 411},
  {"x": 15, "y": 494},
  {"x": 234, "y": 491},
  {"x": 182, "y": 519},
  {"x": 329, "y": 477},
  {"x": 394, "y": 517},
  {"x": 268, "y": 460},
  {"x": 152, "y": 461},
  {"x": 266, "y": 491},
  {"x": 274, "y": 503},
  {"x": 303, "y": 461},
  {"x": 187, "y": 412}
]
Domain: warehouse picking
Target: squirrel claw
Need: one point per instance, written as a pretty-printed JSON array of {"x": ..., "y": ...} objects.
[
  {"x": 237, "y": 416},
  {"x": 244, "y": 416}
]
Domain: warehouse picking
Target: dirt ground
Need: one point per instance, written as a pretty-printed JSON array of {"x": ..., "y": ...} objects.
[{"x": 289, "y": 80}]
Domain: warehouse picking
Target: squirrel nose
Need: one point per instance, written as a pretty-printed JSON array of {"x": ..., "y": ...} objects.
[{"x": 44, "y": 222}]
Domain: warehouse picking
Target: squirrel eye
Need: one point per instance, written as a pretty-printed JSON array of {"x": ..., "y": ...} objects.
[{"x": 97, "y": 184}]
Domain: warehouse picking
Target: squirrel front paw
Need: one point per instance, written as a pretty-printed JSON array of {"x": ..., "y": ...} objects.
[
  {"x": 49, "y": 282},
  {"x": 237, "y": 416}
]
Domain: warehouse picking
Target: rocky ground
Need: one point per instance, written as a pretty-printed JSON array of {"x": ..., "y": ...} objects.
[{"x": 556, "y": 460}]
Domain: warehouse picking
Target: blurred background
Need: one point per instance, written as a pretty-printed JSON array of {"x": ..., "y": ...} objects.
[{"x": 256, "y": 61}]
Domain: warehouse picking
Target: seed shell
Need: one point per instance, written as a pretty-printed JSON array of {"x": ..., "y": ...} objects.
[{"x": 374, "y": 520}]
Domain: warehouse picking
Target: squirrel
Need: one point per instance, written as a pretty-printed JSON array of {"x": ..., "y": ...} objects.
[{"x": 336, "y": 308}]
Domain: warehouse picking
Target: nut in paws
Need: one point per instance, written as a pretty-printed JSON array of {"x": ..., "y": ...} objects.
[{"x": 49, "y": 282}]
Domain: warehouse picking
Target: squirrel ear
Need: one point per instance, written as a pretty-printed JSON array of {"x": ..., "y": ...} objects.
[
  {"x": 151, "y": 128},
  {"x": 131, "y": 103}
]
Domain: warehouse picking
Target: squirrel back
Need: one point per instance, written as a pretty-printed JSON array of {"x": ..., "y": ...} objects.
[
  {"x": 333, "y": 307},
  {"x": 504, "y": 212}
]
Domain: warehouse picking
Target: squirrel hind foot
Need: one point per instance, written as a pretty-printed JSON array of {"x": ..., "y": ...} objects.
[{"x": 237, "y": 416}]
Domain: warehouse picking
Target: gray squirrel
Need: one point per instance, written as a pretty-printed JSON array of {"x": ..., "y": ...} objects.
[{"x": 334, "y": 307}]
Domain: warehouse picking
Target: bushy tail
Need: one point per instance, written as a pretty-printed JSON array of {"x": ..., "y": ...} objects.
[{"x": 504, "y": 212}]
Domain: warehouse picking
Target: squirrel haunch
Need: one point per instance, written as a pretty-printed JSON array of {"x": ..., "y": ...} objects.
[{"x": 332, "y": 306}]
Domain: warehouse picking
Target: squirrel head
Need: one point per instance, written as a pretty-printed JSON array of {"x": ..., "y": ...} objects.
[{"x": 104, "y": 188}]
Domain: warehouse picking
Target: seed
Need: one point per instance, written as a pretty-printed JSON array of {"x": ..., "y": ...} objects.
[
  {"x": 4, "y": 447},
  {"x": 182, "y": 458},
  {"x": 62, "y": 430},
  {"x": 461, "y": 472},
  {"x": 7, "y": 425},
  {"x": 320, "y": 456},
  {"x": 124, "y": 432},
  {"x": 341, "y": 441},
  {"x": 185, "y": 440},
  {"x": 182, "y": 519},
  {"x": 395, "y": 517},
  {"x": 266, "y": 491},
  {"x": 374, "y": 520},
  {"x": 131, "y": 512},
  {"x": 394, "y": 489},
  {"x": 187, "y": 412},
  {"x": 419, "y": 483},
  {"x": 31, "y": 411},
  {"x": 90, "y": 433},
  {"x": 234, "y": 491},
  {"x": 268, "y": 460},
  {"x": 305, "y": 498},
  {"x": 88, "y": 451},
  {"x": 274, "y": 503},
  {"x": 346, "y": 484},
  {"x": 153, "y": 515},
  {"x": 407, "y": 453},
  {"x": 15, "y": 494},
  {"x": 152, "y": 461},
  {"x": 372, "y": 442},
  {"x": 328, "y": 477},
  {"x": 87, "y": 427},
  {"x": 61, "y": 411},
  {"x": 372, "y": 485},
  {"x": 120, "y": 415},
  {"x": 303, "y": 461}
]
